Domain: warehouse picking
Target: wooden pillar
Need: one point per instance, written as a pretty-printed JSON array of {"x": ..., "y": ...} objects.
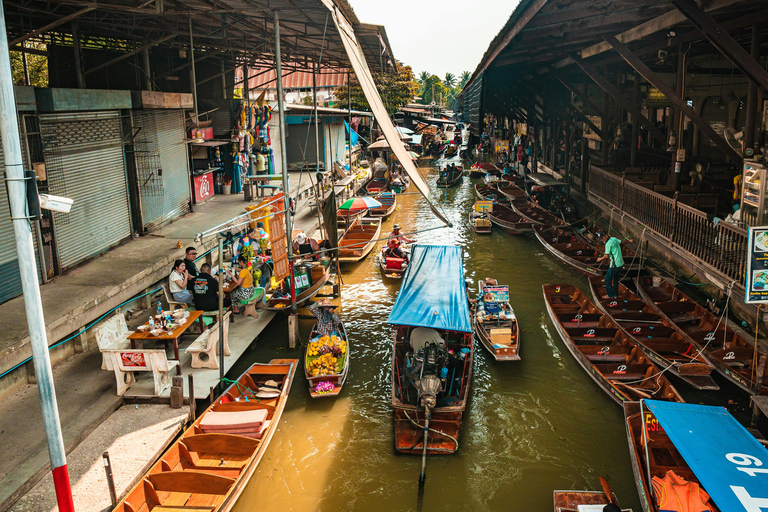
[
  {"x": 555, "y": 141},
  {"x": 223, "y": 80}
]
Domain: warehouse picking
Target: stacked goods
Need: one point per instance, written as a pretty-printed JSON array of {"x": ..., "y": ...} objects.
[{"x": 325, "y": 355}]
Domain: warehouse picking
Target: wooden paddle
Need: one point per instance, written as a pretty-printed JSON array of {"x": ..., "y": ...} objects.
[{"x": 613, "y": 505}]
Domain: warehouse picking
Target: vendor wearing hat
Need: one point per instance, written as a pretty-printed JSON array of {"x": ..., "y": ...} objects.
[
  {"x": 328, "y": 322},
  {"x": 401, "y": 239},
  {"x": 304, "y": 245}
]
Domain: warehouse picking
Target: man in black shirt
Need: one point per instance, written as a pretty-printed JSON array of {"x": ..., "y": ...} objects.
[
  {"x": 189, "y": 263},
  {"x": 205, "y": 289}
]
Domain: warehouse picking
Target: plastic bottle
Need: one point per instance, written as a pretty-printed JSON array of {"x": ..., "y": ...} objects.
[
  {"x": 159, "y": 309},
  {"x": 151, "y": 323}
]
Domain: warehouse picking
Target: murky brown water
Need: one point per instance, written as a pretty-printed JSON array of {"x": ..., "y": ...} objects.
[{"x": 533, "y": 426}]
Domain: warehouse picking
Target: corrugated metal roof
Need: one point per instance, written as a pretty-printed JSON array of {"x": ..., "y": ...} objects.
[{"x": 265, "y": 77}]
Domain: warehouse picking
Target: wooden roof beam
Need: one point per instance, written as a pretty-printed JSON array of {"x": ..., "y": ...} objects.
[
  {"x": 581, "y": 94},
  {"x": 49, "y": 26}
]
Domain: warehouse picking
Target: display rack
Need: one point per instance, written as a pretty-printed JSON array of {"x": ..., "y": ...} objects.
[{"x": 753, "y": 195}]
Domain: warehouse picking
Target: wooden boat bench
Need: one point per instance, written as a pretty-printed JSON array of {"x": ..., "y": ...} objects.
[
  {"x": 112, "y": 335},
  {"x": 205, "y": 347},
  {"x": 126, "y": 362}
]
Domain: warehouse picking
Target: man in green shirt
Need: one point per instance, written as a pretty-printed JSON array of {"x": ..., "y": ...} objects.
[{"x": 613, "y": 255}]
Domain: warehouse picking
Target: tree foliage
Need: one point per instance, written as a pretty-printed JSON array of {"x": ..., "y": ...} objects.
[
  {"x": 36, "y": 64},
  {"x": 450, "y": 80},
  {"x": 396, "y": 89}
]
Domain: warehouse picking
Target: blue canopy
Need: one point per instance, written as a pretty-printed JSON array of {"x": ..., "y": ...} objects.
[
  {"x": 433, "y": 293},
  {"x": 730, "y": 464}
]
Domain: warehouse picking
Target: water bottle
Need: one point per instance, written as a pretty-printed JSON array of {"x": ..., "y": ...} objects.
[
  {"x": 159, "y": 309},
  {"x": 151, "y": 323}
]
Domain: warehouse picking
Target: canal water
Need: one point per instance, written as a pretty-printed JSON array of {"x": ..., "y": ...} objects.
[{"x": 532, "y": 426}]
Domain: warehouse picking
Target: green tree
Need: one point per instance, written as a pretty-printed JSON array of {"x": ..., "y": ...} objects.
[
  {"x": 431, "y": 85},
  {"x": 396, "y": 90},
  {"x": 423, "y": 76},
  {"x": 36, "y": 64},
  {"x": 450, "y": 80},
  {"x": 465, "y": 76}
]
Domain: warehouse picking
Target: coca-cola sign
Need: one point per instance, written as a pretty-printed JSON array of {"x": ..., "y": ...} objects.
[
  {"x": 133, "y": 359},
  {"x": 203, "y": 186}
]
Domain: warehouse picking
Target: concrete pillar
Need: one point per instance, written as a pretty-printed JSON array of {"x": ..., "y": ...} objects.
[{"x": 81, "y": 342}]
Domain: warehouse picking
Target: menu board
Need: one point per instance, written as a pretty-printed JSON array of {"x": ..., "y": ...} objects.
[{"x": 757, "y": 266}]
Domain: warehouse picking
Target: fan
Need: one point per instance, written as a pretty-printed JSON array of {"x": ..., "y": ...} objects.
[{"x": 734, "y": 140}]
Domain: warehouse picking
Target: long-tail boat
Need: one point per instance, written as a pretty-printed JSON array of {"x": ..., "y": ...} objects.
[
  {"x": 658, "y": 338},
  {"x": 577, "y": 253},
  {"x": 725, "y": 345},
  {"x": 432, "y": 353},
  {"x": 509, "y": 220},
  {"x": 606, "y": 353},
  {"x": 388, "y": 202},
  {"x": 512, "y": 191},
  {"x": 496, "y": 324},
  {"x": 535, "y": 213},
  {"x": 449, "y": 176},
  {"x": 359, "y": 239},
  {"x": 208, "y": 467},
  {"x": 326, "y": 362},
  {"x": 699, "y": 453},
  {"x": 489, "y": 193}
]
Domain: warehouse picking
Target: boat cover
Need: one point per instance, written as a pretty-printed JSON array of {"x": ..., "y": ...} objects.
[
  {"x": 433, "y": 293},
  {"x": 730, "y": 464}
]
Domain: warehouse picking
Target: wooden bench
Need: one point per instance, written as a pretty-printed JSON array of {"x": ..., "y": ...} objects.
[
  {"x": 112, "y": 335},
  {"x": 250, "y": 304},
  {"x": 205, "y": 347},
  {"x": 129, "y": 361},
  {"x": 172, "y": 303}
]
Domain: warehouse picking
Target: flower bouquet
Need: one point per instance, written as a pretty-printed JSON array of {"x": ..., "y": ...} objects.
[{"x": 324, "y": 387}]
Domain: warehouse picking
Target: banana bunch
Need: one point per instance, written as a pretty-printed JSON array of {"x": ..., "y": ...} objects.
[{"x": 326, "y": 364}]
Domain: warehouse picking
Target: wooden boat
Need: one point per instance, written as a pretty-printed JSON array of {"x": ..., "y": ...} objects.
[
  {"x": 606, "y": 353},
  {"x": 440, "y": 269},
  {"x": 376, "y": 186},
  {"x": 207, "y": 468},
  {"x": 489, "y": 192},
  {"x": 338, "y": 343},
  {"x": 510, "y": 221},
  {"x": 511, "y": 191},
  {"x": 479, "y": 221},
  {"x": 388, "y": 202},
  {"x": 392, "y": 267},
  {"x": 535, "y": 213},
  {"x": 400, "y": 184},
  {"x": 497, "y": 330},
  {"x": 283, "y": 304},
  {"x": 569, "y": 501},
  {"x": 657, "y": 337},
  {"x": 346, "y": 218},
  {"x": 449, "y": 176},
  {"x": 578, "y": 253},
  {"x": 359, "y": 239},
  {"x": 477, "y": 171},
  {"x": 726, "y": 346}
]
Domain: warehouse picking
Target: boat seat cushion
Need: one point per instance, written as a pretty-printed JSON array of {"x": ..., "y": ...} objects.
[{"x": 228, "y": 422}]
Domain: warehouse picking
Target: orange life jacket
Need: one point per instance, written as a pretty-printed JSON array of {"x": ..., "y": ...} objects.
[{"x": 675, "y": 494}]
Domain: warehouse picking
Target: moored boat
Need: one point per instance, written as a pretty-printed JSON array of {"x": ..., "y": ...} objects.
[
  {"x": 400, "y": 184},
  {"x": 208, "y": 467},
  {"x": 510, "y": 221},
  {"x": 326, "y": 363},
  {"x": 376, "y": 186},
  {"x": 610, "y": 357},
  {"x": 489, "y": 192},
  {"x": 725, "y": 345},
  {"x": 659, "y": 339},
  {"x": 346, "y": 217},
  {"x": 359, "y": 239},
  {"x": 579, "y": 254},
  {"x": 578, "y": 501},
  {"x": 511, "y": 191},
  {"x": 283, "y": 302},
  {"x": 496, "y": 324},
  {"x": 535, "y": 213},
  {"x": 388, "y": 202},
  {"x": 433, "y": 352},
  {"x": 479, "y": 218}
]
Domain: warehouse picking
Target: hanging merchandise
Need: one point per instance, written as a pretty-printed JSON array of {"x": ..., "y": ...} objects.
[
  {"x": 217, "y": 157},
  {"x": 253, "y": 118},
  {"x": 238, "y": 117}
]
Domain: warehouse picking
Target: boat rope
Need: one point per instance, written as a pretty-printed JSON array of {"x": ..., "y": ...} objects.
[
  {"x": 421, "y": 427},
  {"x": 242, "y": 389}
]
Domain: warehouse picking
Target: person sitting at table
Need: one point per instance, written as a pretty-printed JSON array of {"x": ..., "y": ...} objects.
[
  {"x": 189, "y": 264},
  {"x": 177, "y": 283},
  {"x": 244, "y": 281},
  {"x": 205, "y": 289}
]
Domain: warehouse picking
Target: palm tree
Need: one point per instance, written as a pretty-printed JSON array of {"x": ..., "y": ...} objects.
[
  {"x": 465, "y": 76},
  {"x": 423, "y": 76},
  {"x": 450, "y": 80}
]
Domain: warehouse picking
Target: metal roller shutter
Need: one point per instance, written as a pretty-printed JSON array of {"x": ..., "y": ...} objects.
[{"x": 85, "y": 162}]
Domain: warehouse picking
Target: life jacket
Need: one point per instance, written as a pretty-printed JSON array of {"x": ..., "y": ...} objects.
[{"x": 675, "y": 494}]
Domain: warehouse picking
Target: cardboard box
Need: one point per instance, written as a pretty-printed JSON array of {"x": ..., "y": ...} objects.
[{"x": 39, "y": 168}]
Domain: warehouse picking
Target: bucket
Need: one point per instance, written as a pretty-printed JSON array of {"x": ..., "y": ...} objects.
[
  {"x": 226, "y": 189},
  {"x": 301, "y": 277}
]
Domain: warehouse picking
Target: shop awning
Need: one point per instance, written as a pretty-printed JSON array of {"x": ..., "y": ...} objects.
[
  {"x": 730, "y": 464},
  {"x": 433, "y": 293}
]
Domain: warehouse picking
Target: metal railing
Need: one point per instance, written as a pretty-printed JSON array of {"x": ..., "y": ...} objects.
[{"x": 723, "y": 247}]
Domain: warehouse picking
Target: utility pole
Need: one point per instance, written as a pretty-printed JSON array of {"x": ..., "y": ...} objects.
[{"x": 16, "y": 186}]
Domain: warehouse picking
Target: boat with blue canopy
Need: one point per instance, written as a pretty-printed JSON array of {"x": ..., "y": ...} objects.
[
  {"x": 698, "y": 455},
  {"x": 432, "y": 352}
]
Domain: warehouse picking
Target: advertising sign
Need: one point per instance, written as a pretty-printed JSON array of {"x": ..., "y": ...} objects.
[
  {"x": 203, "y": 186},
  {"x": 502, "y": 145},
  {"x": 757, "y": 266}
]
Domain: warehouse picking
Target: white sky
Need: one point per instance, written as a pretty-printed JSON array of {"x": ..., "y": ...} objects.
[{"x": 437, "y": 36}]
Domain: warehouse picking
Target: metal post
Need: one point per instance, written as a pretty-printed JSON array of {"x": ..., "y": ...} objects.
[
  {"x": 110, "y": 479},
  {"x": 191, "y": 390},
  {"x": 25, "y": 64},
  {"x": 78, "y": 57},
  {"x": 15, "y": 185},
  {"x": 749, "y": 136},
  {"x": 221, "y": 309},
  {"x": 349, "y": 117},
  {"x": 223, "y": 80},
  {"x": 193, "y": 78},
  {"x": 147, "y": 69},
  {"x": 317, "y": 146}
]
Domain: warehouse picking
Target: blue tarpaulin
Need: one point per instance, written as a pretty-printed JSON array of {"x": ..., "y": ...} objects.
[
  {"x": 433, "y": 293},
  {"x": 730, "y": 464},
  {"x": 353, "y": 137}
]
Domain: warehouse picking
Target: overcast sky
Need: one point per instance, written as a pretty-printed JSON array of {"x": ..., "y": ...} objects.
[{"x": 437, "y": 36}]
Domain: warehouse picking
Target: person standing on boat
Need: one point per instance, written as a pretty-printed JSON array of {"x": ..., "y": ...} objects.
[
  {"x": 401, "y": 238},
  {"x": 327, "y": 320},
  {"x": 613, "y": 254}
]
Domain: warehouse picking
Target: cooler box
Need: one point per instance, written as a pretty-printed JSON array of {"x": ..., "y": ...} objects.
[{"x": 395, "y": 263}]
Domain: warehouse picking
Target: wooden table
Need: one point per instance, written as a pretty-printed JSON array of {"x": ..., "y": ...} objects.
[{"x": 171, "y": 336}]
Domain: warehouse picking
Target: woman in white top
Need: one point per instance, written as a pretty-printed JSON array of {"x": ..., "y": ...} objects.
[{"x": 177, "y": 283}]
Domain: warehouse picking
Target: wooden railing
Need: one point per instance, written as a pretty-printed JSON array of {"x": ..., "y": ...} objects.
[{"x": 722, "y": 247}]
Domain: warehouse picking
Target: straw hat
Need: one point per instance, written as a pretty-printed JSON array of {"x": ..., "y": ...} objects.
[
  {"x": 326, "y": 303},
  {"x": 301, "y": 238},
  {"x": 396, "y": 227}
]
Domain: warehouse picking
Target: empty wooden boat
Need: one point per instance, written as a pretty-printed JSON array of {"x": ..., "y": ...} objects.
[
  {"x": 359, "y": 239},
  {"x": 535, "y": 213},
  {"x": 326, "y": 363},
  {"x": 496, "y": 324},
  {"x": 606, "y": 353},
  {"x": 511, "y": 191},
  {"x": 658, "y": 338},
  {"x": 509, "y": 220},
  {"x": 346, "y": 218},
  {"x": 388, "y": 202},
  {"x": 207, "y": 468},
  {"x": 725, "y": 345},
  {"x": 490, "y": 193},
  {"x": 575, "y": 501}
]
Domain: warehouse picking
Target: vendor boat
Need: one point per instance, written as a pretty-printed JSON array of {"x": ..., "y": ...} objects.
[
  {"x": 393, "y": 267},
  {"x": 655, "y": 336},
  {"x": 326, "y": 363},
  {"x": 496, "y": 325},
  {"x": 510, "y": 221},
  {"x": 725, "y": 345},
  {"x": 400, "y": 184},
  {"x": 359, "y": 239},
  {"x": 479, "y": 218},
  {"x": 606, "y": 353},
  {"x": 208, "y": 467},
  {"x": 450, "y": 175},
  {"x": 432, "y": 356},
  {"x": 282, "y": 302},
  {"x": 699, "y": 455},
  {"x": 388, "y": 202}
]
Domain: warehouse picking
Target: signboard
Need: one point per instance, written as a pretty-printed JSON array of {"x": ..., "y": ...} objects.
[
  {"x": 757, "y": 266},
  {"x": 132, "y": 360},
  {"x": 202, "y": 184},
  {"x": 496, "y": 293},
  {"x": 484, "y": 206},
  {"x": 502, "y": 145},
  {"x": 588, "y": 133}
]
